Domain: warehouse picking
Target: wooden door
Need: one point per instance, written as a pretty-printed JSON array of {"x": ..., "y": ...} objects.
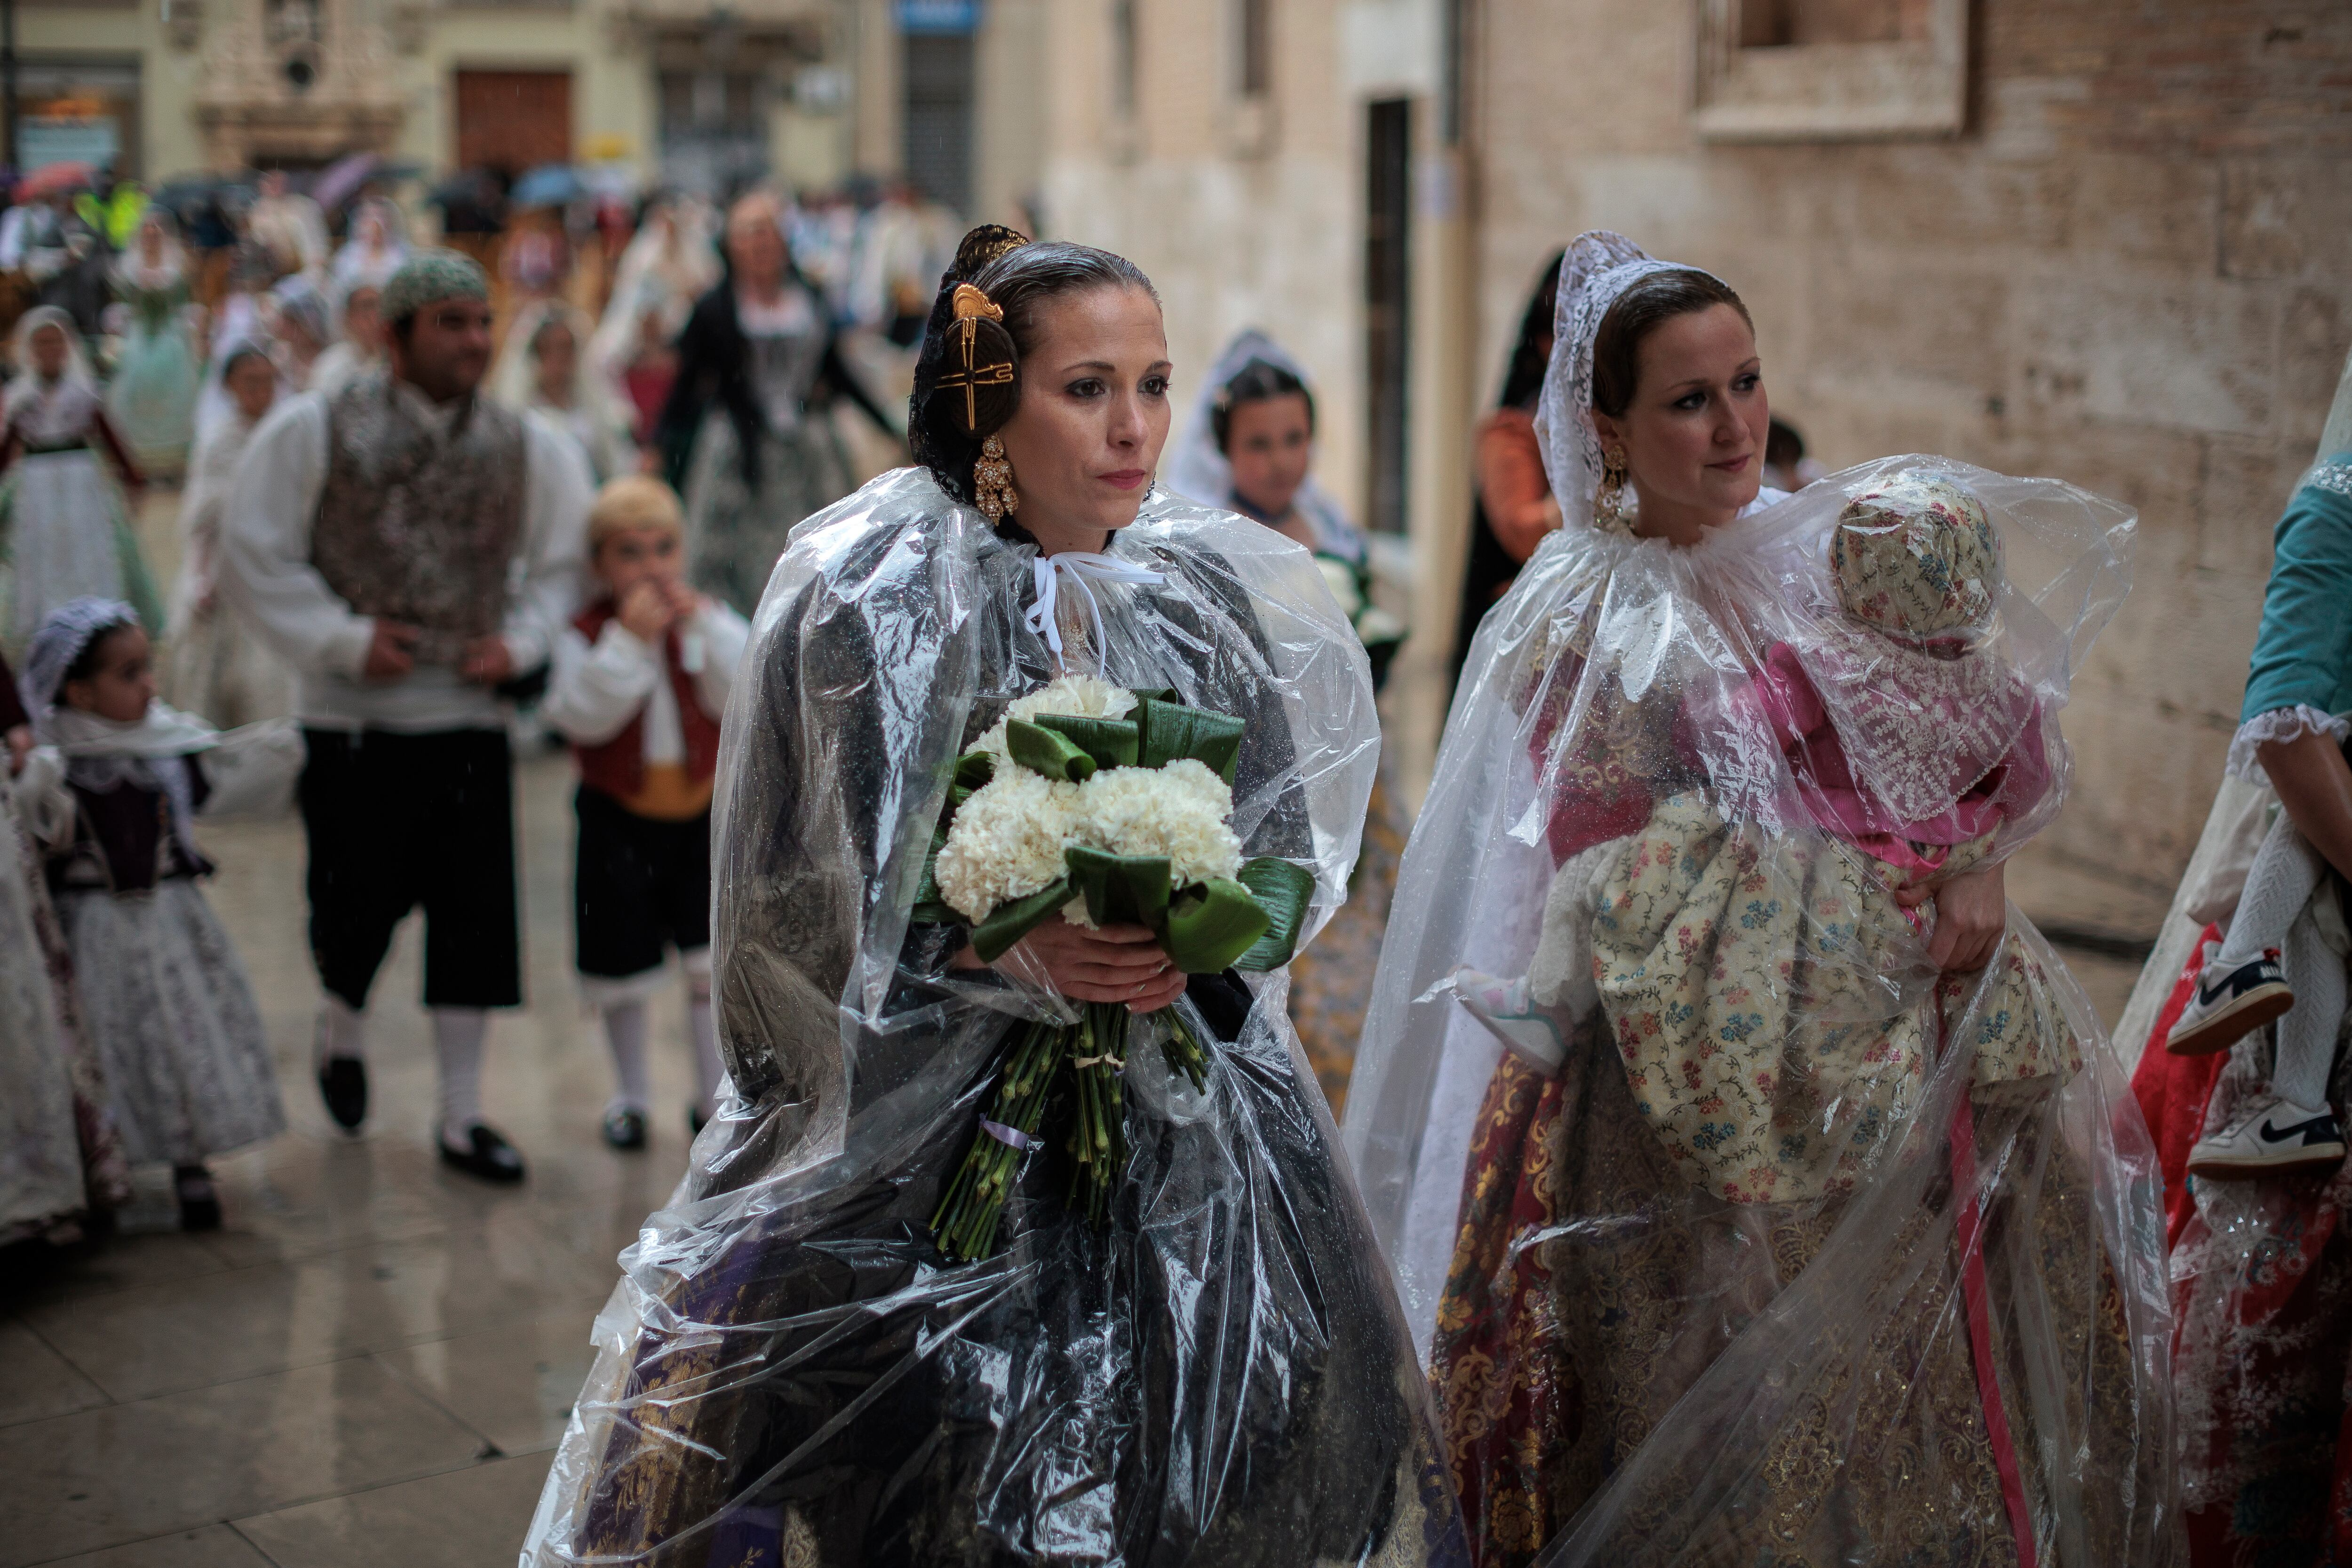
[{"x": 513, "y": 120}]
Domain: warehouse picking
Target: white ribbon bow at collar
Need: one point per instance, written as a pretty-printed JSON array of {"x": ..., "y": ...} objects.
[{"x": 1084, "y": 569}]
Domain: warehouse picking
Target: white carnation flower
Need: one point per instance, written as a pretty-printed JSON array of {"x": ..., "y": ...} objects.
[
  {"x": 1006, "y": 841},
  {"x": 1079, "y": 696},
  {"x": 1179, "y": 811}
]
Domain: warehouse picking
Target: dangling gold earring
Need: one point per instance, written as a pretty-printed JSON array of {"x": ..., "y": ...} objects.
[
  {"x": 991, "y": 483},
  {"x": 1609, "y": 507}
]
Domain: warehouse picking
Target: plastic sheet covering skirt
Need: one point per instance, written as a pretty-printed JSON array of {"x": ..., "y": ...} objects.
[
  {"x": 1734, "y": 1234},
  {"x": 789, "y": 1372}
]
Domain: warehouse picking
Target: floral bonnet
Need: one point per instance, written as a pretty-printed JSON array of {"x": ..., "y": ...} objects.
[{"x": 1918, "y": 558}]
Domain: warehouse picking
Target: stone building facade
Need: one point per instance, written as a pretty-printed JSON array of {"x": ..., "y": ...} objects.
[
  {"x": 1277, "y": 164},
  {"x": 2126, "y": 267},
  {"x": 680, "y": 89},
  {"x": 2070, "y": 237}
]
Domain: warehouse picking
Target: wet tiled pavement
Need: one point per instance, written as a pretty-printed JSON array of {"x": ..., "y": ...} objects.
[{"x": 371, "y": 1361}]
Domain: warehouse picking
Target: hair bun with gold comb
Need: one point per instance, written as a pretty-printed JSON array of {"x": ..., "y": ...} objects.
[
  {"x": 968, "y": 375},
  {"x": 968, "y": 372},
  {"x": 978, "y": 384}
]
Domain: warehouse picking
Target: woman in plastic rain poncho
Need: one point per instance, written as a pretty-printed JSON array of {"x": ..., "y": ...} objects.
[
  {"x": 1759, "y": 1193},
  {"x": 790, "y": 1370}
]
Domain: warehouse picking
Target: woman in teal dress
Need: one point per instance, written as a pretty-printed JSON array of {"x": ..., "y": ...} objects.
[{"x": 156, "y": 378}]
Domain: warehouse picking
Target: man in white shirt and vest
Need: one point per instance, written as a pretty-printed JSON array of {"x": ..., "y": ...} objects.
[{"x": 408, "y": 546}]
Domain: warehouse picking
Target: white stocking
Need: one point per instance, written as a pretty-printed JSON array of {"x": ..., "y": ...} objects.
[
  {"x": 710, "y": 1072},
  {"x": 2307, "y": 1035},
  {"x": 458, "y": 1033},
  {"x": 341, "y": 1031},
  {"x": 625, "y": 1031},
  {"x": 2286, "y": 870}
]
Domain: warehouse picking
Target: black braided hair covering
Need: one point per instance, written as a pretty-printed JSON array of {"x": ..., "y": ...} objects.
[{"x": 947, "y": 417}]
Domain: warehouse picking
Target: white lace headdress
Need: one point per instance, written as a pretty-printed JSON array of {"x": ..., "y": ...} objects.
[
  {"x": 76, "y": 372},
  {"x": 1598, "y": 268},
  {"x": 1198, "y": 471}
]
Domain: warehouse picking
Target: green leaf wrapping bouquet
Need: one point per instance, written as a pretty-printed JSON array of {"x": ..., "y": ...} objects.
[{"x": 1111, "y": 807}]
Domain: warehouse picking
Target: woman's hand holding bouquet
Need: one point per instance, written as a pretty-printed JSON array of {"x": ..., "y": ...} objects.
[{"x": 1092, "y": 826}]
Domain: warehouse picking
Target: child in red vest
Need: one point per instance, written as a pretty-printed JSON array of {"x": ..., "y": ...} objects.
[{"x": 641, "y": 678}]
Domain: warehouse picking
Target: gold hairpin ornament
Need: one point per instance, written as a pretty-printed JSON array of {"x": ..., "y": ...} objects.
[{"x": 973, "y": 368}]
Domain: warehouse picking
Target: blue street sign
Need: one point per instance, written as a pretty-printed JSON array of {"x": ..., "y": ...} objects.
[{"x": 949, "y": 16}]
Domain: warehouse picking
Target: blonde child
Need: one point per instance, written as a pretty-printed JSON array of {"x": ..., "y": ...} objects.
[{"x": 640, "y": 681}]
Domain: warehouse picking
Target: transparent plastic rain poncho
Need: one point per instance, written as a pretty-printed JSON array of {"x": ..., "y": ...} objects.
[
  {"x": 1732, "y": 1233},
  {"x": 2261, "y": 1269},
  {"x": 789, "y": 1372},
  {"x": 1735, "y": 1234}
]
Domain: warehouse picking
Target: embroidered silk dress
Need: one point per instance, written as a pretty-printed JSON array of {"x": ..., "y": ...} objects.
[{"x": 1803, "y": 1285}]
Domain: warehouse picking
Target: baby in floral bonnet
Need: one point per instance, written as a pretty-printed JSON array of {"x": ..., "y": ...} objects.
[{"x": 1739, "y": 961}]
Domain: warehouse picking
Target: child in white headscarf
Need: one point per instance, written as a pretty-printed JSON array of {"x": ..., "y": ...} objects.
[
  {"x": 545, "y": 369},
  {"x": 299, "y": 330},
  {"x": 110, "y": 794},
  {"x": 65, "y": 523},
  {"x": 218, "y": 668}
]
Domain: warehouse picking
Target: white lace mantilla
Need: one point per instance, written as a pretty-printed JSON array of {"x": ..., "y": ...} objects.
[{"x": 2281, "y": 724}]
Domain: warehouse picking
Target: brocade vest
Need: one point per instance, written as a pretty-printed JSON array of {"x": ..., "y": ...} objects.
[{"x": 418, "y": 526}]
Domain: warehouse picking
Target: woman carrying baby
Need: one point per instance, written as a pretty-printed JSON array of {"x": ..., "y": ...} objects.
[{"x": 1757, "y": 1180}]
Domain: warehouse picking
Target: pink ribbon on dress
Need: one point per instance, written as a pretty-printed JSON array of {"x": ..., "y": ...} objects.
[{"x": 1974, "y": 1293}]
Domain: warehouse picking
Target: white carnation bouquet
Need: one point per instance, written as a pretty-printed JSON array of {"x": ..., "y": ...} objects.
[{"x": 1107, "y": 807}]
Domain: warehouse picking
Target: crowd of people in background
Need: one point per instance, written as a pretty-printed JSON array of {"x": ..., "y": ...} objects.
[
  {"x": 593, "y": 286},
  {"x": 678, "y": 383},
  {"x": 665, "y": 366},
  {"x": 689, "y": 379}
]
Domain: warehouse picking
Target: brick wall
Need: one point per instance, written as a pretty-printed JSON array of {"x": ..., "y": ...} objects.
[{"x": 2133, "y": 271}]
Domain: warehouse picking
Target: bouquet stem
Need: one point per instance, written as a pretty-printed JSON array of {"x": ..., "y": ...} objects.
[
  {"x": 1099, "y": 1132},
  {"x": 1089, "y": 1058},
  {"x": 1185, "y": 1051},
  {"x": 965, "y": 1224}
]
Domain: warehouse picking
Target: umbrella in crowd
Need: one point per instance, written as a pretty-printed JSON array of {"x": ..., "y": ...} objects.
[
  {"x": 51, "y": 178},
  {"x": 549, "y": 185},
  {"x": 340, "y": 181}
]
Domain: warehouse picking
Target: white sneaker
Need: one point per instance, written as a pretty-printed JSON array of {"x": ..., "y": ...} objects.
[
  {"x": 2229, "y": 1004},
  {"x": 2269, "y": 1136},
  {"x": 1505, "y": 1007}
]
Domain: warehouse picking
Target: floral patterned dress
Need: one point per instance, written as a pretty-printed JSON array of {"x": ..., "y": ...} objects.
[{"x": 1567, "y": 1331}]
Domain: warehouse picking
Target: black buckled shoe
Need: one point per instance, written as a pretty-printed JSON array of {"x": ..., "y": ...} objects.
[
  {"x": 490, "y": 1157},
  {"x": 342, "y": 1084},
  {"x": 199, "y": 1200},
  {"x": 624, "y": 1127}
]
